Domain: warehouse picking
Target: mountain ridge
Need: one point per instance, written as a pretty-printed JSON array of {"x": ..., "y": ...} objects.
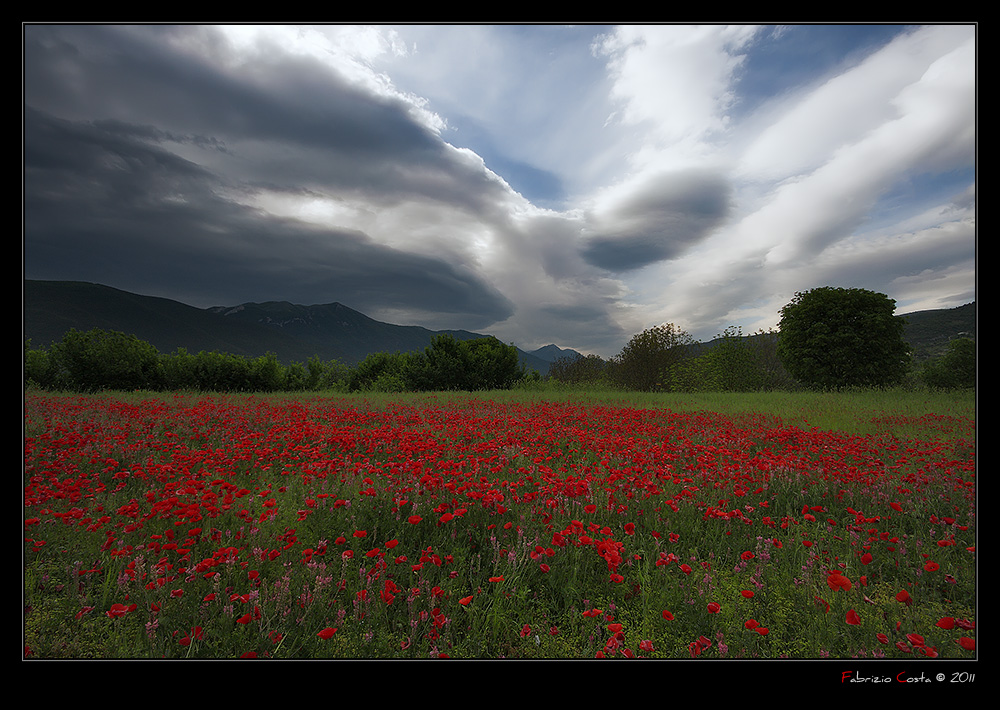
[{"x": 294, "y": 332}]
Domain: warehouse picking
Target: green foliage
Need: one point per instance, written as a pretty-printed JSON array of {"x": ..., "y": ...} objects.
[
  {"x": 956, "y": 370},
  {"x": 732, "y": 363},
  {"x": 98, "y": 359},
  {"x": 591, "y": 369},
  {"x": 107, "y": 360},
  {"x": 641, "y": 363},
  {"x": 832, "y": 338}
]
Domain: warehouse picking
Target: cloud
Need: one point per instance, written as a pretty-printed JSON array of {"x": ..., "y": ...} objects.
[
  {"x": 543, "y": 183},
  {"x": 104, "y": 205},
  {"x": 657, "y": 219}
]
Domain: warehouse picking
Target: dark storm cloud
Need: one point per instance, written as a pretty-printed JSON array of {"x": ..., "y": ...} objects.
[
  {"x": 658, "y": 221},
  {"x": 103, "y": 205},
  {"x": 289, "y": 118},
  {"x": 143, "y": 147}
]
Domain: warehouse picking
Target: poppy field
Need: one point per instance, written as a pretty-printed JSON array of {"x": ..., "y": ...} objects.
[{"x": 185, "y": 526}]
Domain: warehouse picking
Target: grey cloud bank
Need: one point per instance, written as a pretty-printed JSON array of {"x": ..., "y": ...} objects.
[{"x": 218, "y": 165}]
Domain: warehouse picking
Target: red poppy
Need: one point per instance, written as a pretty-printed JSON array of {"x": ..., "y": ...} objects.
[
  {"x": 967, "y": 643},
  {"x": 746, "y": 555},
  {"x": 614, "y": 628},
  {"x": 497, "y": 579},
  {"x": 414, "y": 519},
  {"x": 245, "y": 619},
  {"x": 747, "y": 593},
  {"x": 932, "y": 567},
  {"x": 882, "y": 638},
  {"x": 947, "y": 622},
  {"x": 853, "y": 618},
  {"x": 838, "y": 581},
  {"x": 713, "y": 608},
  {"x": 667, "y": 615},
  {"x": 751, "y": 624},
  {"x": 327, "y": 633},
  {"x": 646, "y": 646},
  {"x": 464, "y": 601},
  {"x": 762, "y": 630},
  {"x": 866, "y": 559},
  {"x": 686, "y": 569},
  {"x": 904, "y": 598},
  {"x": 544, "y": 567}
]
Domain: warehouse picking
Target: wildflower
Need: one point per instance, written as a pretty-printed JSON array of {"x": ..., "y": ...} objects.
[
  {"x": 853, "y": 618},
  {"x": 903, "y": 597},
  {"x": 838, "y": 581},
  {"x": 327, "y": 633}
]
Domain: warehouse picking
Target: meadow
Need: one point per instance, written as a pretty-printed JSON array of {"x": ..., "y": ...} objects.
[{"x": 521, "y": 525}]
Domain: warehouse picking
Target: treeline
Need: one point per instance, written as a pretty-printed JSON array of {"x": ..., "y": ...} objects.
[
  {"x": 667, "y": 359},
  {"x": 660, "y": 359},
  {"x": 108, "y": 360}
]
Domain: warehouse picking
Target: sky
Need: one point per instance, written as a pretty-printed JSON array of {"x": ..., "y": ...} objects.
[{"x": 572, "y": 185}]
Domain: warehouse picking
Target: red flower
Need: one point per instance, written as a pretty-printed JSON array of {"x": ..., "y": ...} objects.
[
  {"x": 464, "y": 601},
  {"x": 967, "y": 643},
  {"x": 866, "y": 559},
  {"x": 713, "y": 608},
  {"x": 646, "y": 646},
  {"x": 746, "y": 555},
  {"x": 947, "y": 622},
  {"x": 904, "y": 598},
  {"x": 882, "y": 638},
  {"x": 327, "y": 633},
  {"x": 414, "y": 519},
  {"x": 544, "y": 567},
  {"x": 762, "y": 630},
  {"x": 686, "y": 569},
  {"x": 932, "y": 567},
  {"x": 747, "y": 593},
  {"x": 853, "y": 618},
  {"x": 838, "y": 581},
  {"x": 245, "y": 619},
  {"x": 497, "y": 579},
  {"x": 667, "y": 615},
  {"x": 751, "y": 624}
]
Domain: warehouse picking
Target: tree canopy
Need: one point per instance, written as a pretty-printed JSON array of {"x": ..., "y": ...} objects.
[{"x": 832, "y": 338}]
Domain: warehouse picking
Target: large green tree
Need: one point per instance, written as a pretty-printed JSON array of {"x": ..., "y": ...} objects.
[
  {"x": 832, "y": 338},
  {"x": 645, "y": 361}
]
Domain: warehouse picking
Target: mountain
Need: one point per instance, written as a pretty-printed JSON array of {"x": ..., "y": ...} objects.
[
  {"x": 294, "y": 333},
  {"x": 551, "y": 353},
  {"x": 929, "y": 332},
  {"x": 330, "y": 331}
]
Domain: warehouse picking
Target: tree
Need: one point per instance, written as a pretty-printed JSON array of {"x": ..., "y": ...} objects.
[
  {"x": 956, "y": 369},
  {"x": 832, "y": 338},
  {"x": 648, "y": 356},
  {"x": 99, "y": 359}
]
